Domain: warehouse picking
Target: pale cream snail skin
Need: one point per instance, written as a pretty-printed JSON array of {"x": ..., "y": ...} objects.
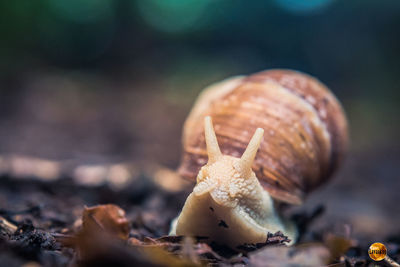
[{"x": 228, "y": 203}]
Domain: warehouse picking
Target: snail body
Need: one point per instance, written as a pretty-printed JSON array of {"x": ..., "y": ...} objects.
[
  {"x": 228, "y": 203},
  {"x": 237, "y": 190}
]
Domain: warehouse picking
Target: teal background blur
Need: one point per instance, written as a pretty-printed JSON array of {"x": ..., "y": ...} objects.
[
  {"x": 103, "y": 80},
  {"x": 117, "y": 78}
]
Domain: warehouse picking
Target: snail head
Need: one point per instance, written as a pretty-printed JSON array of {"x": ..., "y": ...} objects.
[{"x": 227, "y": 179}]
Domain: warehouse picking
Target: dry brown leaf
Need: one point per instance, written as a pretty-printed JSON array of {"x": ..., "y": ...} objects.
[
  {"x": 338, "y": 245},
  {"x": 109, "y": 218}
]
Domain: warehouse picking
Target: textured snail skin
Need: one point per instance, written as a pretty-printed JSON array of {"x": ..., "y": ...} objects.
[
  {"x": 305, "y": 130},
  {"x": 228, "y": 203}
]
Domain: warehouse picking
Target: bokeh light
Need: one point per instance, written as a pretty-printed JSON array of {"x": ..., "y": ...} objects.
[
  {"x": 172, "y": 16},
  {"x": 83, "y": 11},
  {"x": 75, "y": 30},
  {"x": 303, "y": 6}
]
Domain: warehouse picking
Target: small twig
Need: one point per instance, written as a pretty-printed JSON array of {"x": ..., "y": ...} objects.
[
  {"x": 7, "y": 227},
  {"x": 389, "y": 261}
]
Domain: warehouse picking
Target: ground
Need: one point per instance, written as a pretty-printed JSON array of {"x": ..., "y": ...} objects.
[{"x": 47, "y": 213}]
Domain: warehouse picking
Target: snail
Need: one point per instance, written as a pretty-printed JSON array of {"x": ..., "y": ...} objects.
[{"x": 238, "y": 191}]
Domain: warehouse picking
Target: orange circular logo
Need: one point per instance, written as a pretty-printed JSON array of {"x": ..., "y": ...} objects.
[{"x": 377, "y": 251}]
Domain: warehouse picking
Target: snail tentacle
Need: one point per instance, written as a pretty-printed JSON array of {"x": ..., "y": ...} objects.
[{"x": 213, "y": 150}]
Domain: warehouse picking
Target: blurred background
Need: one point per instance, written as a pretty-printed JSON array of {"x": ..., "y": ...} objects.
[{"x": 113, "y": 80}]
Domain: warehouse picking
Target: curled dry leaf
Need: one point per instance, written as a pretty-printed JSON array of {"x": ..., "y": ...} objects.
[
  {"x": 104, "y": 230},
  {"x": 109, "y": 218},
  {"x": 102, "y": 240},
  {"x": 338, "y": 245}
]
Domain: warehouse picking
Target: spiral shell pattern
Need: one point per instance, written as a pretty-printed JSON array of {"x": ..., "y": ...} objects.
[{"x": 305, "y": 130}]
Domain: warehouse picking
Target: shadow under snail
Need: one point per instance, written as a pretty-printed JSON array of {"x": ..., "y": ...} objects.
[{"x": 300, "y": 133}]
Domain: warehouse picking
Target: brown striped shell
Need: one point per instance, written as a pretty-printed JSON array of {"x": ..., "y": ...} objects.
[{"x": 305, "y": 130}]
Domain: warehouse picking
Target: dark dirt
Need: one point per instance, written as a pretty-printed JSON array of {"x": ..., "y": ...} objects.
[{"x": 48, "y": 212}]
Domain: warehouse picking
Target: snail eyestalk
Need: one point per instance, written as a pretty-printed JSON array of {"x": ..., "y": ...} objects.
[
  {"x": 228, "y": 204},
  {"x": 250, "y": 153},
  {"x": 213, "y": 151}
]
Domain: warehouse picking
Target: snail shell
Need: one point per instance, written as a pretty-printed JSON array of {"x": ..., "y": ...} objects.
[{"x": 305, "y": 130}]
